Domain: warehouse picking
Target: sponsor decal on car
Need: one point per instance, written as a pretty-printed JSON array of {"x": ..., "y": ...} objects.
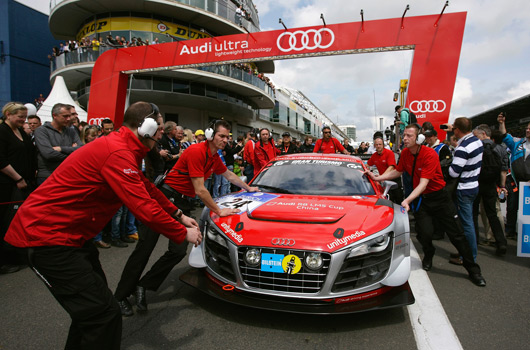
[
  {"x": 363, "y": 296},
  {"x": 306, "y": 206},
  {"x": 318, "y": 162},
  {"x": 346, "y": 240},
  {"x": 279, "y": 263},
  {"x": 245, "y": 201},
  {"x": 228, "y": 230}
]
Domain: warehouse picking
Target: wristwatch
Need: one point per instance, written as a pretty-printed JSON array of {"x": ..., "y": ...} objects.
[{"x": 178, "y": 214}]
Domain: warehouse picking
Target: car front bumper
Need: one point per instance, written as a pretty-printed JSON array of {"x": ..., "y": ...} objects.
[{"x": 386, "y": 297}]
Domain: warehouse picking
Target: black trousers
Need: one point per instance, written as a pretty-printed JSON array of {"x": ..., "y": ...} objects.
[
  {"x": 75, "y": 278},
  {"x": 512, "y": 208},
  {"x": 439, "y": 205},
  {"x": 488, "y": 194},
  {"x": 147, "y": 240}
]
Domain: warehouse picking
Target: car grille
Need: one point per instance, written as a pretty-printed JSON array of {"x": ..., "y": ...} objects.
[
  {"x": 305, "y": 281},
  {"x": 218, "y": 257},
  {"x": 361, "y": 271}
]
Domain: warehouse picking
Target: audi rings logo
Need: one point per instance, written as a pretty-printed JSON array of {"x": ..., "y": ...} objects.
[
  {"x": 427, "y": 106},
  {"x": 283, "y": 241},
  {"x": 95, "y": 121},
  {"x": 306, "y": 40}
]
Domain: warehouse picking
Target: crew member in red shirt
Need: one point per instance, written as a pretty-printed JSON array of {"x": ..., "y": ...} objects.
[
  {"x": 383, "y": 158},
  {"x": 248, "y": 154},
  {"x": 197, "y": 163},
  {"x": 56, "y": 224},
  {"x": 185, "y": 179},
  {"x": 328, "y": 144},
  {"x": 264, "y": 150},
  {"x": 424, "y": 167}
]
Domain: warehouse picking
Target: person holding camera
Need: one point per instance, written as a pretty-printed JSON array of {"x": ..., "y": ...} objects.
[{"x": 520, "y": 166}]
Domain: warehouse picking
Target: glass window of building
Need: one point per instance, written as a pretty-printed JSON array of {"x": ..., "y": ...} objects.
[
  {"x": 181, "y": 86},
  {"x": 197, "y": 89},
  {"x": 141, "y": 83},
  {"x": 162, "y": 84}
]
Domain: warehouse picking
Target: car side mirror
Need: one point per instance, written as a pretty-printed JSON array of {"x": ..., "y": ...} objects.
[{"x": 388, "y": 185}]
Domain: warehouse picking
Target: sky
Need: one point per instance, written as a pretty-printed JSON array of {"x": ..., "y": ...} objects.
[{"x": 494, "y": 64}]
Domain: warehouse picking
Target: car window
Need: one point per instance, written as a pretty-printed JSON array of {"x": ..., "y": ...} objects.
[{"x": 315, "y": 177}]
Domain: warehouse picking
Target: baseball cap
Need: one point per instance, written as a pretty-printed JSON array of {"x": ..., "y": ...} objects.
[
  {"x": 430, "y": 132},
  {"x": 199, "y": 132},
  {"x": 286, "y": 134}
]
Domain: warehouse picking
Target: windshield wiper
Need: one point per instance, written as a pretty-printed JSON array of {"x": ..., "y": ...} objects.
[{"x": 275, "y": 189}]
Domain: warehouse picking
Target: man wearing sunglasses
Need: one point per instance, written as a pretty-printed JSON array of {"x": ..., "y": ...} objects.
[{"x": 328, "y": 144}]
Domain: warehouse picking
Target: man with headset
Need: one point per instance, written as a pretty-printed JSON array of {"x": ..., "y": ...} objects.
[
  {"x": 328, "y": 144},
  {"x": 183, "y": 182},
  {"x": 264, "y": 150},
  {"x": 57, "y": 222},
  {"x": 200, "y": 160},
  {"x": 429, "y": 199}
]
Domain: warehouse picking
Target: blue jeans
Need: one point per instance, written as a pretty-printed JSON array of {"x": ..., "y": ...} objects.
[
  {"x": 130, "y": 224},
  {"x": 465, "y": 211},
  {"x": 116, "y": 223},
  {"x": 221, "y": 186}
]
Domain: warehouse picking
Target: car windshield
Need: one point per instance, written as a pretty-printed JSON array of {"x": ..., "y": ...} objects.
[{"x": 314, "y": 177}]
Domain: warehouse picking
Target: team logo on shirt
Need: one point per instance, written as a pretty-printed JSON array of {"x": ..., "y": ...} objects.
[{"x": 130, "y": 171}]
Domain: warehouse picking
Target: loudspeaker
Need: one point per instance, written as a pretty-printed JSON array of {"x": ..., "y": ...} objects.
[{"x": 149, "y": 126}]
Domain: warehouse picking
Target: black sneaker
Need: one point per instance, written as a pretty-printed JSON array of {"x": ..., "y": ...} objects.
[
  {"x": 141, "y": 300},
  {"x": 8, "y": 268},
  {"x": 118, "y": 243},
  {"x": 477, "y": 279},
  {"x": 501, "y": 250},
  {"x": 125, "y": 307},
  {"x": 127, "y": 239}
]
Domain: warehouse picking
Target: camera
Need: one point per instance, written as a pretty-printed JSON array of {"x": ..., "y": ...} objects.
[{"x": 444, "y": 127}]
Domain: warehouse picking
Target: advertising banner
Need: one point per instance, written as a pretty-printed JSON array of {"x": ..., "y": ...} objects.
[
  {"x": 523, "y": 220},
  {"x": 436, "y": 44}
]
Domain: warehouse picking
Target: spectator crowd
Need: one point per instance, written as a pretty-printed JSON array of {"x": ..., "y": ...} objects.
[{"x": 446, "y": 185}]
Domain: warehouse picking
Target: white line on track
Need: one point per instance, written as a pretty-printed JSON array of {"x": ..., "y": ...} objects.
[{"x": 431, "y": 326}]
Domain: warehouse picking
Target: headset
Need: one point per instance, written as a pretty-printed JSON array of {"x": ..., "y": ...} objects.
[
  {"x": 148, "y": 127},
  {"x": 420, "y": 139},
  {"x": 209, "y": 133}
]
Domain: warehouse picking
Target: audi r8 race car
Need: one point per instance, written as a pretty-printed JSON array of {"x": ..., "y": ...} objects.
[{"x": 320, "y": 237}]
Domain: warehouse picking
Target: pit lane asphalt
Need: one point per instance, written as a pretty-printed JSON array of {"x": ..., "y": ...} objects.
[{"x": 494, "y": 317}]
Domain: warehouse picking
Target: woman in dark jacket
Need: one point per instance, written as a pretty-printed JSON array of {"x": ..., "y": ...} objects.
[{"x": 18, "y": 163}]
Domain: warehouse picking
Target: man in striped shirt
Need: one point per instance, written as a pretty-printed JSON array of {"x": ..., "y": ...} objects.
[{"x": 466, "y": 165}]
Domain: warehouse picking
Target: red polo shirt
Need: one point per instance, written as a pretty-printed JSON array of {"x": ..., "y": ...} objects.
[
  {"x": 427, "y": 167},
  {"x": 330, "y": 146},
  {"x": 195, "y": 161},
  {"x": 382, "y": 161}
]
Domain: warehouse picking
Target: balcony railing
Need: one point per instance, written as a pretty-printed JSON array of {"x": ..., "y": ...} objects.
[
  {"x": 222, "y": 8},
  {"x": 87, "y": 55}
]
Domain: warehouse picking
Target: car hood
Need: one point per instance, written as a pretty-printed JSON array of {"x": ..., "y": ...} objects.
[{"x": 312, "y": 222}]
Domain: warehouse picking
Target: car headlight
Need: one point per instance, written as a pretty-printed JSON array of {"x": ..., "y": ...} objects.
[
  {"x": 253, "y": 257},
  {"x": 374, "y": 245},
  {"x": 313, "y": 261},
  {"x": 215, "y": 236}
]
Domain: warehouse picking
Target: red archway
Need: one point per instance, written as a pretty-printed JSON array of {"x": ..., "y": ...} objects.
[{"x": 435, "y": 39}]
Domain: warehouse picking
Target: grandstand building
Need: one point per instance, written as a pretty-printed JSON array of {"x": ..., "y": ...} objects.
[{"x": 242, "y": 94}]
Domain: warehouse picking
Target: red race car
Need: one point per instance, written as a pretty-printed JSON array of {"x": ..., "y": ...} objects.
[{"x": 319, "y": 238}]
